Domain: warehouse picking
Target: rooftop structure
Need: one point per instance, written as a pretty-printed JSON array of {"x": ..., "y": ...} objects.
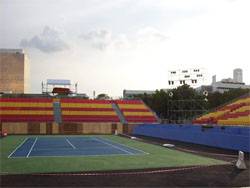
[
  {"x": 60, "y": 86},
  {"x": 132, "y": 93}
]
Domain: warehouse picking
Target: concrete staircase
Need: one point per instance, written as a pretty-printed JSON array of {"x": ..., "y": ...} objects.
[
  {"x": 57, "y": 112},
  {"x": 119, "y": 113}
]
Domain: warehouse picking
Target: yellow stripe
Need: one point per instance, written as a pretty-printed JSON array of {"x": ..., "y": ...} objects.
[
  {"x": 242, "y": 109},
  {"x": 132, "y": 106},
  {"x": 85, "y": 105},
  {"x": 246, "y": 100},
  {"x": 237, "y": 121},
  {"x": 25, "y": 112},
  {"x": 137, "y": 113},
  {"x": 88, "y": 113},
  {"x": 24, "y": 104}
]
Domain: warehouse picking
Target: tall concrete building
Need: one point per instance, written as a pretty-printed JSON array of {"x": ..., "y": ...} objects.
[
  {"x": 238, "y": 75},
  {"x": 14, "y": 71}
]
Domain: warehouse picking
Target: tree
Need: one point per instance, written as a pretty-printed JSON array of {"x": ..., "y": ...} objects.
[
  {"x": 102, "y": 96},
  {"x": 186, "y": 102},
  {"x": 217, "y": 99}
]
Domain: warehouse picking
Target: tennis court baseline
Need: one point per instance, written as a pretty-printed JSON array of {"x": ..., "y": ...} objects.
[{"x": 70, "y": 146}]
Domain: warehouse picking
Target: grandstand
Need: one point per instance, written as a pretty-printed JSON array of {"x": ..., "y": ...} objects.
[
  {"x": 234, "y": 113},
  {"x": 50, "y": 115},
  {"x": 26, "y": 109},
  {"x": 25, "y": 115},
  {"x": 135, "y": 111},
  {"x": 80, "y": 110}
]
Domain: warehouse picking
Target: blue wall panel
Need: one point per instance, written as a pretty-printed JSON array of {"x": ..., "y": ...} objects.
[{"x": 235, "y": 138}]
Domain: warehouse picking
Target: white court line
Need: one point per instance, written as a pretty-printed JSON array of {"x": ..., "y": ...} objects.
[
  {"x": 31, "y": 148},
  {"x": 70, "y": 143},
  {"x": 113, "y": 146},
  {"x": 18, "y": 147},
  {"x": 130, "y": 147}
]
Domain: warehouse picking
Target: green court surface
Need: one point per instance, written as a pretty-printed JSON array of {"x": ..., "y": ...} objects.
[{"x": 153, "y": 156}]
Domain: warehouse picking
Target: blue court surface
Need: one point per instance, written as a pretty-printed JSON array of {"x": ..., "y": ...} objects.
[{"x": 70, "y": 146}]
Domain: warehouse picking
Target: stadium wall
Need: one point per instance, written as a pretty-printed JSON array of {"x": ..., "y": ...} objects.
[
  {"x": 234, "y": 138},
  {"x": 64, "y": 128},
  {"x": 88, "y": 128}
]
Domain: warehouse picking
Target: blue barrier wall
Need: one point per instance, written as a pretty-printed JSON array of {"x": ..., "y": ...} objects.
[{"x": 235, "y": 138}]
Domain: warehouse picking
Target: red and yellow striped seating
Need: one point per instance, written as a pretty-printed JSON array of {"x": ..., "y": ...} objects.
[
  {"x": 135, "y": 111},
  {"x": 235, "y": 113},
  {"x": 26, "y": 109},
  {"x": 83, "y": 110}
]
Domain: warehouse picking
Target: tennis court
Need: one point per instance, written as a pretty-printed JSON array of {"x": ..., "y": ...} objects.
[
  {"x": 70, "y": 146},
  {"x": 22, "y": 154}
]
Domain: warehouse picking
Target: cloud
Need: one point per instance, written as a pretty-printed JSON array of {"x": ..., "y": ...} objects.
[
  {"x": 99, "y": 39},
  {"x": 150, "y": 34},
  {"x": 104, "y": 39},
  {"x": 48, "y": 41}
]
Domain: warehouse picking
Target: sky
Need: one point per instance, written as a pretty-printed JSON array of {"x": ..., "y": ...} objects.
[{"x": 110, "y": 45}]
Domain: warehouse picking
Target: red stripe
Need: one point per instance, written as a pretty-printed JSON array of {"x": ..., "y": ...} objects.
[
  {"x": 128, "y": 101},
  {"x": 236, "y": 114},
  {"x": 27, "y": 120},
  {"x": 141, "y": 120},
  {"x": 135, "y": 110},
  {"x": 24, "y": 116},
  {"x": 87, "y": 109},
  {"x": 89, "y": 116},
  {"x": 18, "y": 118},
  {"x": 145, "y": 117},
  {"x": 91, "y": 120},
  {"x": 87, "y": 101},
  {"x": 103, "y": 118},
  {"x": 25, "y": 99},
  {"x": 26, "y": 108}
]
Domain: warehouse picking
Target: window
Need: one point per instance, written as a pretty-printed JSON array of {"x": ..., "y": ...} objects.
[
  {"x": 170, "y": 82},
  {"x": 194, "y": 81}
]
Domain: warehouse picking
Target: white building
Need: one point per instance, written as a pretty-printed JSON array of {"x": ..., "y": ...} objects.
[
  {"x": 193, "y": 77},
  {"x": 226, "y": 84}
]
